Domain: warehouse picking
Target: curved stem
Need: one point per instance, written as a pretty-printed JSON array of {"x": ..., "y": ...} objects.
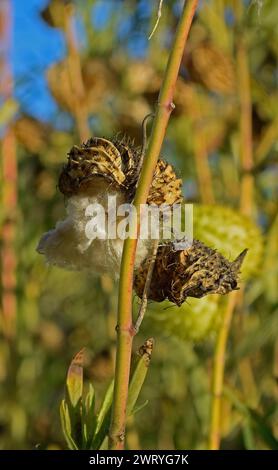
[
  {"x": 125, "y": 329},
  {"x": 144, "y": 301}
]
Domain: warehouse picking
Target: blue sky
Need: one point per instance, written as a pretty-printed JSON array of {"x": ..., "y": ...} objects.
[{"x": 35, "y": 47}]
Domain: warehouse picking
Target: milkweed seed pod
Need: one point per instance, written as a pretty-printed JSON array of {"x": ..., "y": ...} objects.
[
  {"x": 54, "y": 13},
  {"x": 32, "y": 134},
  {"x": 213, "y": 68},
  {"x": 95, "y": 170},
  {"x": 195, "y": 320},
  {"x": 60, "y": 86},
  {"x": 99, "y": 160},
  {"x": 141, "y": 77},
  {"x": 117, "y": 165},
  {"x": 193, "y": 272},
  {"x": 229, "y": 231},
  {"x": 97, "y": 79}
]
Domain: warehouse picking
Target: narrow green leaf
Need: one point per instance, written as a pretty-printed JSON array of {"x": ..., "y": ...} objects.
[
  {"x": 104, "y": 445},
  {"x": 248, "y": 435},
  {"x": 75, "y": 379},
  {"x": 74, "y": 391},
  {"x": 106, "y": 405},
  {"x": 138, "y": 374},
  {"x": 88, "y": 418},
  {"x": 266, "y": 332},
  {"x": 240, "y": 406},
  {"x": 258, "y": 422},
  {"x": 66, "y": 425},
  {"x": 103, "y": 418},
  {"x": 264, "y": 430},
  {"x": 138, "y": 408}
]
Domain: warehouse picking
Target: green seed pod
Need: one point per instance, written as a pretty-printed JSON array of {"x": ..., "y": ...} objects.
[
  {"x": 195, "y": 319},
  {"x": 229, "y": 232}
]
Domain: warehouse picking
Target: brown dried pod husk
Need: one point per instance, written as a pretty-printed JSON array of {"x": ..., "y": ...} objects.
[
  {"x": 59, "y": 84},
  {"x": 97, "y": 79},
  {"x": 211, "y": 67},
  {"x": 32, "y": 134},
  {"x": 141, "y": 77},
  {"x": 115, "y": 164},
  {"x": 54, "y": 13},
  {"x": 193, "y": 272},
  {"x": 165, "y": 187}
]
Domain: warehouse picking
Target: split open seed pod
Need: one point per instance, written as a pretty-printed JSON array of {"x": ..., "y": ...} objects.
[
  {"x": 211, "y": 67},
  {"x": 98, "y": 79},
  {"x": 31, "y": 133},
  {"x": 193, "y": 272},
  {"x": 202, "y": 270},
  {"x": 95, "y": 170},
  {"x": 116, "y": 163}
]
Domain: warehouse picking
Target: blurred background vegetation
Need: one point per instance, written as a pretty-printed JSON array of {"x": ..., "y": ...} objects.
[{"x": 73, "y": 69}]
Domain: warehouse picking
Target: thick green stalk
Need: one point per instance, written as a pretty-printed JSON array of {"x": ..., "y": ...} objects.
[{"x": 125, "y": 329}]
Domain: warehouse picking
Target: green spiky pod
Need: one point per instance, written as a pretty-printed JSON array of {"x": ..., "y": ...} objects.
[{"x": 229, "y": 232}]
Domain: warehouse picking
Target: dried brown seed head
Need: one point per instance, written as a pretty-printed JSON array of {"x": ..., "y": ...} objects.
[
  {"x": 209, "y": 65},
  {"x": 166, "y": 187},
  {"x": 115, "y": 163},
  {"x": 194, "y": 272}
]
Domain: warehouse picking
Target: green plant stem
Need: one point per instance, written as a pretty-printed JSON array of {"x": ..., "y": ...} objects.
[
  {"x": 125, "y": 329},
  {"x": 218, "y": 373},
  {"x": 246, "y": 207},
  {"x": 245, "y": 117},
  {"x": 247, "y": 203}
]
